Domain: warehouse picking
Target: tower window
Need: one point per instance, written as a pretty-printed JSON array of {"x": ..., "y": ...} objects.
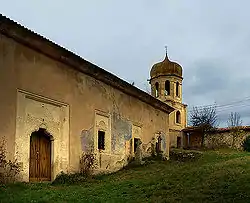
[
  {"x": 177, "y": 89},
  {"x": 101, "y": 140},
  {"x": 178, "y": 117},
  {"x": 156, "y": 89},
  {"x": 167, "y": 87}
]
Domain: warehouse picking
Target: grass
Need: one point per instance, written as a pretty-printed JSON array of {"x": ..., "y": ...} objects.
[{"x": 220, "y": 176}]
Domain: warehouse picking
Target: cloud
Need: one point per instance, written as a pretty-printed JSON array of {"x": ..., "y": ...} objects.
[{"x": 210, "y": 39}]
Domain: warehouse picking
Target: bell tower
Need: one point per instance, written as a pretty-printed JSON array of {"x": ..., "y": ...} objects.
[{"x": 166, "y": 85}]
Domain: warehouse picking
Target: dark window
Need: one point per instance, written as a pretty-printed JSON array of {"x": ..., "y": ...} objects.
[
  {"x": 156, "y": 89},
  {"x": 101, "y": 140},
  {"x": 177, "y": 89},
  {"x": 178, "y": 117},
  {"x": 167, "y": 87},
  {"x": 131, "y": 146},
  {"x": 178, "y": 142},
  {"x": 136, "y": 143},
  {"x": 158, "y": 145}
]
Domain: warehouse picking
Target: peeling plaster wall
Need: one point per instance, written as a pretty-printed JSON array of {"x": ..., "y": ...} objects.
[
  {"x": 121, "y": 133},
  {"x": 87, "y": 140},
  {"x": 25, "y": 69}
]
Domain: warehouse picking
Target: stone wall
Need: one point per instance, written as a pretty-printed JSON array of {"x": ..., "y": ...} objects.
[
  {"x": 218, "y": 138},
  {"x": 226, "y": 139}
]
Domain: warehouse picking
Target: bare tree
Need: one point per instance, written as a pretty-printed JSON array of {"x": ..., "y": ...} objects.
[
  {"x": 205, "y": 118},
  {"x": 235, "y": 122}
]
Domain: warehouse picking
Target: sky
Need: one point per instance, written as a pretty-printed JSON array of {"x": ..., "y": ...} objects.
[{"x": 210, "y": 39}]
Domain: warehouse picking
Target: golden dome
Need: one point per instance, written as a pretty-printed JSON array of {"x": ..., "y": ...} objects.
[{"x": 166, "y": 67}]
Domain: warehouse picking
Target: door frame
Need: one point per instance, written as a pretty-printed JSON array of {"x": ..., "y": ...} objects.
[
  {"x": 51, "y": 140},
  {"x": 26, "y": 123}
]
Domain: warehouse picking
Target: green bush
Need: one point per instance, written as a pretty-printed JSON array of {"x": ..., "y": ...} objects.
[
  {"x": 87, "y": 164},
  {"x": 9, "y": 170},
  {"x": 68, "y": 179},
  {"x": 184, "y": 156},
  {"x": 246, "y": 144}
]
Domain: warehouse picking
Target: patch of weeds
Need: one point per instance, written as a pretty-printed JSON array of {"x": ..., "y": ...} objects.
[
  {"x": 87, "y": 164},
  {"x": 68, "y": 179},
  {"x": 9, "y": 170},
  {"x": 184, "y": 156},
  {"x": 103, "y": 176}
]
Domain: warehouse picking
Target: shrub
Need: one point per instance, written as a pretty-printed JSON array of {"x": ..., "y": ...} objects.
[
  {"x": 88, "y": 163},
  {"x": 184, "y": 156},
  {"x": 74, "y": 178},
  {"x": 9, "y": 170},
  {"x": 246, "y": 144},
  {"x": 87, "y": 166}
]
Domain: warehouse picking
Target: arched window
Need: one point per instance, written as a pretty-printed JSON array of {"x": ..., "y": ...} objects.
[
  {"x": 156, "y": 89},
  {"x": 177, "y": 89},
  {"x": 167, "y": 87},
  {"x": 178, "y": 117}
]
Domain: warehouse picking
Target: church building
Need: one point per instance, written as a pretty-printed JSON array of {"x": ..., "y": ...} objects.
[{"x": 55, "y": 106}]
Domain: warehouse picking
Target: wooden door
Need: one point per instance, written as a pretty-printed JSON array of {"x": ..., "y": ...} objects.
[{"x": 40, "y": 157}]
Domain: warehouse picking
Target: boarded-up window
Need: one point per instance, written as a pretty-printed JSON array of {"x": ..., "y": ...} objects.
[{"x": 101, "y": 140}]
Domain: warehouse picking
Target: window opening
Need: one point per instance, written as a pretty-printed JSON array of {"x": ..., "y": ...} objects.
[
  {"x": 177, "y": 89},
  {"x": 136, "y": 143},
  {"x": 178, "y": 117},
  {"x": 158, "y": 145},
  {"x": 167, "y": 87},
  {"x": 156, "y": 89},
  {"x": 101, "y": 140}
]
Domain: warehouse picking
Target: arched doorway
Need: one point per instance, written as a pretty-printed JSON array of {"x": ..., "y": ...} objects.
[
  {"x": 158, "y": 145},
  {"x": 40, "y": 156}
]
